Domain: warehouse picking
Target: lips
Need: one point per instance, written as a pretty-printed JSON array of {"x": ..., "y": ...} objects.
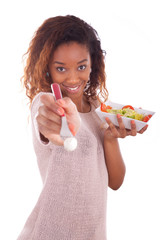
[{"x": 72, "y": 89}]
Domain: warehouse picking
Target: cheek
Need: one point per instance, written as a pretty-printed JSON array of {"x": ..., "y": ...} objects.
[
  {"x": 85, "y": 74},
  {"x": 56, "y": 77}
]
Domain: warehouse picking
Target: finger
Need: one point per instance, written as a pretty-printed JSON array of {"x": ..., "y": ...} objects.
[
  {"x": 47, "y": 113},
  {"x": 113, "y": 129},
  {"x": 49, "y": 101},
  {"x": 133, "y": 128},
  {"x": 72, "y": 115},
  {"x": 122, "y": 129},
  {"x": 48, "y": 124},
  {"x": 54, "y": 138},
  {"x": 72, "y": 128},
  {"x": 143, "y": 129},
  {"x": 67, "y": 104}
]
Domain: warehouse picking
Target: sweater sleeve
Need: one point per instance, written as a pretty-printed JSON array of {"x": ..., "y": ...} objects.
[{"x": 34, "y": 112}]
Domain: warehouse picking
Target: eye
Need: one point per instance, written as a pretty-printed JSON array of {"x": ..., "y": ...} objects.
[
  {"x": 61, "y": 69},
  {"x": 82, "y": 67}
]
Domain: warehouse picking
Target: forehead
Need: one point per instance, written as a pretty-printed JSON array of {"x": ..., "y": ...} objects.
[{"x": 71, "y": 51}]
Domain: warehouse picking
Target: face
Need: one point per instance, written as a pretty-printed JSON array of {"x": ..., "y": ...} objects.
[{"x": 70, "y": 67}]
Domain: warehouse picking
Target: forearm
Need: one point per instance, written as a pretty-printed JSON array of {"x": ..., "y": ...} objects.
[{"x": 114, "y": 162}]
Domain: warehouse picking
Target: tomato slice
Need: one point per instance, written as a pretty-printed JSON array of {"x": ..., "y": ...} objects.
[
  {"x": 146, "y": 118},
  {"x": 128, "y": 106},
  {"x": 104, "y": 107}
]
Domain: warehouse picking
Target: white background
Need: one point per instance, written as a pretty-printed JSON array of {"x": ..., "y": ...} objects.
[{"x": 130, "y": 34}]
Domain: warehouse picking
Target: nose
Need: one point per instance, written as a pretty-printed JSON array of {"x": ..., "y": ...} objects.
[{"x": 72, "y": 77}]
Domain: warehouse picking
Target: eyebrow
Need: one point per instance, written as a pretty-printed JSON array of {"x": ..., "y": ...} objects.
[
  {"x": 84, "y": 60},
  {"x": 57, "y": 62}
]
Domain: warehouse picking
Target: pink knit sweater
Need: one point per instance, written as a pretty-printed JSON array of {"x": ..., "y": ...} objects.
[{"x": 72, "y": 204}]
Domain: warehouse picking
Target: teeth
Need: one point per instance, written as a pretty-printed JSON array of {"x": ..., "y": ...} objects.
[{"x": 73, "y": 88}]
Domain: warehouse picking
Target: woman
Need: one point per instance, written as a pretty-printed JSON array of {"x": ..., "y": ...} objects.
[{"x": 72, "y": 204}]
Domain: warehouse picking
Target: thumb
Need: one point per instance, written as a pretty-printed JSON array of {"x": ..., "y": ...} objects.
[
  {"x": 72, "y": 115},
  {"x": 68, "y": 106}
]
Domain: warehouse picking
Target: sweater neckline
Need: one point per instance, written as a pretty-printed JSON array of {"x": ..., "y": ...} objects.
[{"x": 93, "y": 107}]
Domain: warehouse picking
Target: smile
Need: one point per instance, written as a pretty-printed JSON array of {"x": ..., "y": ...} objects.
[{"x": 73, "y": 89}]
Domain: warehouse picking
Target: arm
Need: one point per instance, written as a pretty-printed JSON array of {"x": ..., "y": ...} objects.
[{"x": 114, "y": 160}]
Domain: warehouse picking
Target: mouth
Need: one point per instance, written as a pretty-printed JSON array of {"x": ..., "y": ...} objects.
[{"x": 72, "y": 89}]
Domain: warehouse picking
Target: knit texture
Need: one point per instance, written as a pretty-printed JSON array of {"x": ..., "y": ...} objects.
[{"x": 72, "y": 203}]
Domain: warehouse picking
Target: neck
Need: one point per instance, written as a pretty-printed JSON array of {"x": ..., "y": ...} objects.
[{"x": 83, "y": 106}]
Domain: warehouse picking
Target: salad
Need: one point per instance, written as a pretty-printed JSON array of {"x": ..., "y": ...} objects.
[{"x": 126, "y": 111}]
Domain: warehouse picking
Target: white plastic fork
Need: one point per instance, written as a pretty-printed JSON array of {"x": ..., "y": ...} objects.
[{"x": 70, "y": 142}]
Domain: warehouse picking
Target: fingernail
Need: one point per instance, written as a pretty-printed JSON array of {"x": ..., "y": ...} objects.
[
  {"x": 60, "y": 111},
  {"x": 132, "y": 122},
  {"x": 118, "y": 115},
  {"x": 72, "y": 129}
]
